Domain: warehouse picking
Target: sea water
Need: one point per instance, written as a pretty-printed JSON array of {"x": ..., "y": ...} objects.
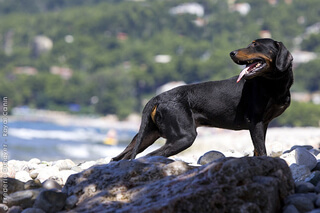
[{"x": 50, "y": 141}]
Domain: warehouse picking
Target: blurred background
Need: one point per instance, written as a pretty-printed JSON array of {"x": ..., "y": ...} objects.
[{"x": 78, "y": 73}]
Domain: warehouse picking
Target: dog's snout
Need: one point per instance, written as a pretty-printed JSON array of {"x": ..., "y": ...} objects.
[{"x": 233, "y": 53}]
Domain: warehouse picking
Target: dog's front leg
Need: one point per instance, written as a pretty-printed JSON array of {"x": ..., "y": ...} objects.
[{"x": 258, "y": 135}]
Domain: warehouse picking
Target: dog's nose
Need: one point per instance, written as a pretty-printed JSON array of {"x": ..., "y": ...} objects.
[{"x": 233, "y": 53}]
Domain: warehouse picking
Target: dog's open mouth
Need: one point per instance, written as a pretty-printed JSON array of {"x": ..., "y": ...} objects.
[{"x": 252, "y": 66}]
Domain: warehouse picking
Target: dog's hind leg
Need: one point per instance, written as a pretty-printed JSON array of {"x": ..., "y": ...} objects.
[
  {"x": 178, "y": 127},
  {"x": 148, "y": 138}
]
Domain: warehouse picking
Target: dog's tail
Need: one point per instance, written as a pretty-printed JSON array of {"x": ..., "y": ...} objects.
[{"x": 148, "y": 117}]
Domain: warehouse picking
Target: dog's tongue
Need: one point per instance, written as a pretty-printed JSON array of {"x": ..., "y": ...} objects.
[{"x": 242, "y": 73}]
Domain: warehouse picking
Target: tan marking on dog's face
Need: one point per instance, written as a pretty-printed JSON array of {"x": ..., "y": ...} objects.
[{"x": 245, "y": 54}]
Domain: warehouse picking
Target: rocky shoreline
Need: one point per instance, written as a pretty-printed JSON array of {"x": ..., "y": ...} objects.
[{"x": 288, "y": 182}]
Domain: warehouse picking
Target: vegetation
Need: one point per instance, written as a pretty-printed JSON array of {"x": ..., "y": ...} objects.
[{"x": 111, "y": 48}]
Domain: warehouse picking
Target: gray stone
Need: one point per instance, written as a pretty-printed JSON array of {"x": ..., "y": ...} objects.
[
  {"x": 33, "y": 184},
  {"x": 51, "y": 184},
  {"x": 71, "y": 202},
  {"x": 317, "y": 188},
  {"x": 50, "y": 201},
  {"x": 304, "y": 187},
  {"x": 315, "y": 211},
  {"x": 209, "y": 157},
  {"x": 317, "y": 203},
  {"x": 303, "y": 157},
  {"x": 9, "y": 185},
  {"x": 315, "y": 152},
  {"x": 33, "y": 210},
  {"x": 251, "y": 184},
  {"x": 25, "y": 199},
  {"x": 290, "y": 209},
  {"x": 15, "y": 209},
  {"x": 299, "y": 172},
  {"x": 313, "y": 178},
  {"x": 303, "y": 202}
]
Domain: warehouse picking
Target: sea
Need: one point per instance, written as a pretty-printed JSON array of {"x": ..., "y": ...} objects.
[{"x": 49, "y": 141}]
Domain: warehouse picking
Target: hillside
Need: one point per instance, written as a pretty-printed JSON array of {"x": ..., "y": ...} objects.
[{"x": 92, "y": 56}]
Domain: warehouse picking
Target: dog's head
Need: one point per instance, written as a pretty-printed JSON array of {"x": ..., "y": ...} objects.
[{"x": 263, "y": 57}]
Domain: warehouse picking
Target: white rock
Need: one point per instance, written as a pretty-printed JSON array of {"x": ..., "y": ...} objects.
[
  {"x": 66, "y": 164},
  {"x": 18, "y": 165},
  {"x": 33, "y": 163},
  {"x": 47, "y": 172},
  {"x": 64, "y": 175},
  {"x": 23, "y": 176},
  {"x": 289, "y": 157},
  {"x": 304, "y": 157},
  {"x": 87, "y": 164},
  {"x": 275, "y": 149}
]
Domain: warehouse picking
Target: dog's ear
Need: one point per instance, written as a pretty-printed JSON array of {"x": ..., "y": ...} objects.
[{"x": 284, "y": 57}]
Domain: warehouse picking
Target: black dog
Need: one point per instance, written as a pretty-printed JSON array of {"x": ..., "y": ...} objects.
[{"x": 249, "y": 101}]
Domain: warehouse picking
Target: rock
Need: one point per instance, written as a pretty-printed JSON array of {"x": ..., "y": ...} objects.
[
  {"x": 66, "y": 164},
  {"x": 289, "y": 157},
  {"x": 275, "y": 149},
  {"x": 64, "y": 175},
  {"x": 32, "y": 184},
  {"x": 303, "y": 202},
  {"x": 317, "y": 203},
  {"x": 71, "y": 202},
  {"x": 315, "y": 152},
  {"x": 303, "y": 157},
  {"x": 317, "y": 188},
  {"x": 51, "y": 184},
  {"x": 313, "y": 178},
  {"x": 33, "y": 210},
  {"x": 24, "y": 199},
  {"x": 23, "y": 176},
  {"x": 47, "y": 172},
  {"x": 315, "y": 211},
  {"x": 9, "y": 185},
  {"x": 176, "y": 168},
  {"x": 304, "y": 187},
  {"x": 307, "y": 147},
  {"x": 290, "y": 209},
  {"x": 251, "y": 184},
  {"x": 209, "y": 157},
  {"x": 15, "y": 209},
  {"x": 50, "y": 201},
  {"x": 299, "y": 172},
  {"x": 3, "y": 208},
  {"x": 76, "y": 169},
  {"x": 33, "y": 163},
  {"x": 87, "y": 165},
  {"x": 34, "y": 175},
  {"x": 7, "y": 171},
  {"x": 19, "y": 165}
]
